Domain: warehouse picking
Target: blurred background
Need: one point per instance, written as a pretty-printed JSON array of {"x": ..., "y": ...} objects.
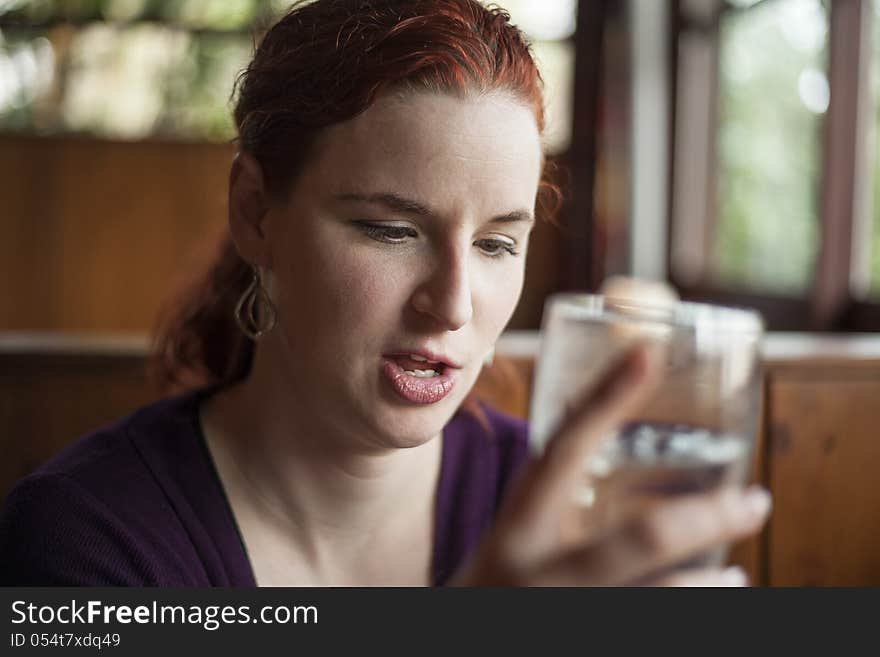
[{"x": 727, "y": 147}]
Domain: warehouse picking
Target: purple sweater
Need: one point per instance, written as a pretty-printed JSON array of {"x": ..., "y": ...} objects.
[{"x": 139, "y": 503}]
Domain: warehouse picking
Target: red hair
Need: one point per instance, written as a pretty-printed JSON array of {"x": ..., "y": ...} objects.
[{"x": 323, "y": 63}]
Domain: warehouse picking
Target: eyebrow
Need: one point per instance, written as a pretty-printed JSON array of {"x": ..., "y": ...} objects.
[{"x": 410, "y": 206}]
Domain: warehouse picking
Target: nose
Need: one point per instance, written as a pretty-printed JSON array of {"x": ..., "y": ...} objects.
[{"x": 445, "y": 293}]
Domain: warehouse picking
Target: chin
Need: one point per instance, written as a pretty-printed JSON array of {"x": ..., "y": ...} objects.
[
  {"x": 414, "y": 429},
  {"x": 411, "y": 426},
  {"x": 397, "y": 423}
]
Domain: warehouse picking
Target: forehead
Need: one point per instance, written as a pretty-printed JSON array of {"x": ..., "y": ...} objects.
[{"x": 450, "y": 151}]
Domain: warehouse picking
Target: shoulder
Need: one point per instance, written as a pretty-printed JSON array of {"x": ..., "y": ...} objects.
[
  {"x": 53, "y": 532},
  {"x": 96, "y": 513}
]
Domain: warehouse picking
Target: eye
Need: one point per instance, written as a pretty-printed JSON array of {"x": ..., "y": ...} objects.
[
  {"x": 389, "y": 233},
  {"x": 495, "y": 248}
]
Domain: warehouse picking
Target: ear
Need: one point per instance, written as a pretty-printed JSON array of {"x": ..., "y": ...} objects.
[{"x": 248, "y": 209}]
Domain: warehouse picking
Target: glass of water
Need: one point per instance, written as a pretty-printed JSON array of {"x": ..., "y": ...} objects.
[{"x": 697, "y": 431}]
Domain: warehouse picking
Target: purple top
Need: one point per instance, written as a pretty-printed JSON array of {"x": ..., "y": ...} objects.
[{"x": 139, "y": 503}]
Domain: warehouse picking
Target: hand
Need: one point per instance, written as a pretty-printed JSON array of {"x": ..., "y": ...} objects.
[{"x": 527, "y": 545}]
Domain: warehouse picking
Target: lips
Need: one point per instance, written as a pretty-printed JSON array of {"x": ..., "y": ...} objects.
[
  {"x": 419, "y": 378},
  {"x": 422, "y": 355},
  {"x": 417, "y": 364}
]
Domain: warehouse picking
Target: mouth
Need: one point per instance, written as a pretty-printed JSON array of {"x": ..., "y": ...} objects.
[
  {"x": 418, "y": 379},
  {"x": 419, "y": 366}
]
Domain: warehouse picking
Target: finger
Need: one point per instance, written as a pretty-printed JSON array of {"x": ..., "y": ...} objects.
[
  {"x": 663, "y": 537},
  {"x": 620, "y": 392},
  {"x": 537, "y": 504},
  {"x": 733, "y": 576}
]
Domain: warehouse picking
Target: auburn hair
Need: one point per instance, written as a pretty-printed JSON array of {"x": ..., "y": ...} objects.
[{"x": 325, "y": 62}]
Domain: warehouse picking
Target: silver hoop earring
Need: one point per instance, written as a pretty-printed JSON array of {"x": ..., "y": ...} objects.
[{"x": 255, "y": 313}]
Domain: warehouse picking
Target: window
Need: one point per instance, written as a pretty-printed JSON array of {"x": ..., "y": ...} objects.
[
  {"x": 774, "y": 163},
  {"x": 772, "y": 94},
  {"x": 125, "y": 69}
]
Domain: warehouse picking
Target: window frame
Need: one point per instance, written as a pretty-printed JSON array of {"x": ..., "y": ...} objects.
[{"x": 829, "y": 303}]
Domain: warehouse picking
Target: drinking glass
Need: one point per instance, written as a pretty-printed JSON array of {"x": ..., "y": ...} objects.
[{"x": 694, "y": 434}]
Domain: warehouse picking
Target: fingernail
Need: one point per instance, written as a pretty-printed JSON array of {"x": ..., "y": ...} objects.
[
  {"x": 758, "y": 502},
  {"x": 734, "y": 576}
]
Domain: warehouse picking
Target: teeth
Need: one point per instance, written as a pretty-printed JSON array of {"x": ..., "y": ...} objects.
[
  {"x": 422, "y": 359},
  {"x": 422, "y": 374}
]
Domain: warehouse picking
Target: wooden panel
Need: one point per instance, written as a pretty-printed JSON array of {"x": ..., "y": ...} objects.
[
  {"x": 28, "y": 265},
  {"x": 48, "y": 400},
  {"x": 824, "y": 452},
  {"x": 96, "y": 233},
  {"x": 507, "y": 385}
]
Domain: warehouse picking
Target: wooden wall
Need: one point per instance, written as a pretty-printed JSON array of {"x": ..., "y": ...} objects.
[
  {"x": 52, "y": 391},
  {"x": 95, "y": 234},
  {"x": 822, "y": 460}
]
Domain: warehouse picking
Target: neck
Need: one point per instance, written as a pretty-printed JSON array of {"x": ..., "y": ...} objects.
[{"x": 329, "y": 491}]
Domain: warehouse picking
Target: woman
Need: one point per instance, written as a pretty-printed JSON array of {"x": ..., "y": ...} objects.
[{"x": 379, "y": 212}]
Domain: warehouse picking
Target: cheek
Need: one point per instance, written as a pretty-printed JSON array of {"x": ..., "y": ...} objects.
[
  {"x": 367, "y": 288},
  {"x": 499, "y": 297},
  {"x": 341, "y": 290}
]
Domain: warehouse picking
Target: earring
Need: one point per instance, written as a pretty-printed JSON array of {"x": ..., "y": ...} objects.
[
  {"x": 489, "y": 358},
  {"x": 255, "y": 313}
]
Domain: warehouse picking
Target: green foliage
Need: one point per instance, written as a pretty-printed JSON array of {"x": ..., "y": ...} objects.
[{"x": 768, "y": 146}]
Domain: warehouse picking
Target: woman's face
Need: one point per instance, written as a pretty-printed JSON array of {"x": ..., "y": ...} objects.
[{"x": 399, "y": 258}]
